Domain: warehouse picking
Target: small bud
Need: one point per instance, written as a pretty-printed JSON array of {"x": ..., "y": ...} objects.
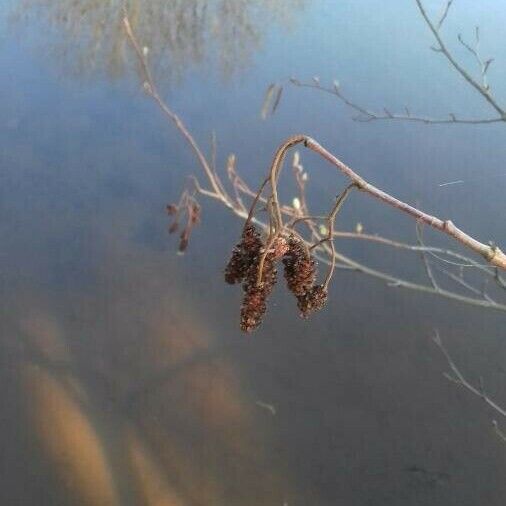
[
  {"x": 194, "y": 211},
  {"x": 171, "y": 209},
  {"x": 147, "y": 87},
  {"x": 296, "y": 159},
  {"x": 183, "y": 243}
]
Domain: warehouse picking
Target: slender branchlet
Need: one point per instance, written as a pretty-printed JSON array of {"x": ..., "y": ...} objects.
[{"x": 265, "y": 243}]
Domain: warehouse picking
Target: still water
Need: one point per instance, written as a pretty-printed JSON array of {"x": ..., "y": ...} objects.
[{"x": 125, "y": 378}]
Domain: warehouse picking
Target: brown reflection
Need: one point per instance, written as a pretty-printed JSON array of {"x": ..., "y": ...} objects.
[
  {"x": 150, "y": 483},
  {"x": 88, "y": 34},
  {"x": 133, "y": 401},
  {"x": 66, "y": 433}
]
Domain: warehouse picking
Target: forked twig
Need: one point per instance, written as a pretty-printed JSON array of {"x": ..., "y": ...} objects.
[
  {"x": 326, "y": 253},
  {"x": 457, "y": 377},
  {"x": 483, "y": 88}
]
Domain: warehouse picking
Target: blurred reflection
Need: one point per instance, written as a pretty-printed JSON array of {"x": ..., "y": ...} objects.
[
  {"x": 132, "y": 401},
  {"x": 89, "y": 37},
  {"x": 69, "y": 439}
]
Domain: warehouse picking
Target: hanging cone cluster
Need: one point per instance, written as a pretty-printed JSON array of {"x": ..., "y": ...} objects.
[
  {"x": 243, "y": 267},
  {"x": 299, "y": 271}
]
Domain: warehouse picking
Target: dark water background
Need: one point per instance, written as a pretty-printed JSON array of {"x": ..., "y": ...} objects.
[{"x": 107, "y": 332}]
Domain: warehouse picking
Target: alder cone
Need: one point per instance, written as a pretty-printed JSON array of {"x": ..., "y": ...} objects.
[
  {"x": 254, "y": 303},
  {"x": 243, "y": 255},
  {"x": 313, "y": 300},
  {"x": 300, "y": 268}
]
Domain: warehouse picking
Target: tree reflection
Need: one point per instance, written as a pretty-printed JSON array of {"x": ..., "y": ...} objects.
[
  {"x": 135, "y": 401},
  {"x": 88, "y": 36}
]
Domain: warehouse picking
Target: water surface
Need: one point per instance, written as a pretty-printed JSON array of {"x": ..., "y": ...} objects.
[{"x": 126, "y": 379}]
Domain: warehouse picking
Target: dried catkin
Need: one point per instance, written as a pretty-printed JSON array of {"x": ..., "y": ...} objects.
[
  {"x": 313, "y": 300},
  {"x": 300, "y": 268},
  {"x": 243, "y": 255}
]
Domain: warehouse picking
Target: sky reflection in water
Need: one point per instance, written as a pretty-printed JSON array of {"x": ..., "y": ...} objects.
[{"x": 106, "y": 329}]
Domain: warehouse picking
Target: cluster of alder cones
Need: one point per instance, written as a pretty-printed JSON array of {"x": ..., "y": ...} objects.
[{"x": 299, "y": 272}]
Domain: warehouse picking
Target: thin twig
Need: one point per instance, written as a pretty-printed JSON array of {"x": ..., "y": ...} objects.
[
  {"x": 457, "y": 377},
  {"x": 428, "y": 270},
  {"x": 483, "y": 88},
  {"x": 216, "y": 192}
]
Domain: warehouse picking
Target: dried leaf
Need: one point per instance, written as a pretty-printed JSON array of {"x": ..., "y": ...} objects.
[
  {"x": 267, "y": 100},
  {"x": 277, "y": 99}
]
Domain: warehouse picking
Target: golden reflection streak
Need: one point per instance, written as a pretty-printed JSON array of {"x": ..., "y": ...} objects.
[
  {"x": 149, "y": 482},
  {"x": 190, "y": 434},
  {"x": 68, "y": 438}
]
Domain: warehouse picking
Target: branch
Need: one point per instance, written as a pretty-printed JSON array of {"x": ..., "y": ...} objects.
[
  {"x": 443, "y": 49},
  {"x": 151, "y": 89},
  {"x": 456, "y": 376},
  {"x": 445, "y": 13},
  {"x": 428, "y": 269},
  {"x": 483, "y": 88},
  {"x": 366, "y": 115},
  {"x": 492, "y": 254},
  {"x": 323, "y": 252}
]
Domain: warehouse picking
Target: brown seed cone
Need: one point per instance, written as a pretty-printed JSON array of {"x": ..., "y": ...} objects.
[
  {"x": 269, "y": 275},
  {"x": 243, "y": 255},
  {"x": 253, "y": 309},
  {"x": 300, "y": 268},
  {"x": 312, "y": 300},
  {"x": 236, "y": 267},
  {"x": 251, "y": 241},
  {"x": 255, "y": 296}
]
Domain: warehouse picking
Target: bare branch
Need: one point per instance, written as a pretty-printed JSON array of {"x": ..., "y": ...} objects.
[
  {"x": 151, "y": 90},
  {"x": 457, "y": 377},
  {"x": 443, "y": 16},
  {"x": 326, "y": 254},
  {"x": 366, "y": 115},
  {"x": 483, "y": 88},
  {"x": 428, "y": 270}
]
